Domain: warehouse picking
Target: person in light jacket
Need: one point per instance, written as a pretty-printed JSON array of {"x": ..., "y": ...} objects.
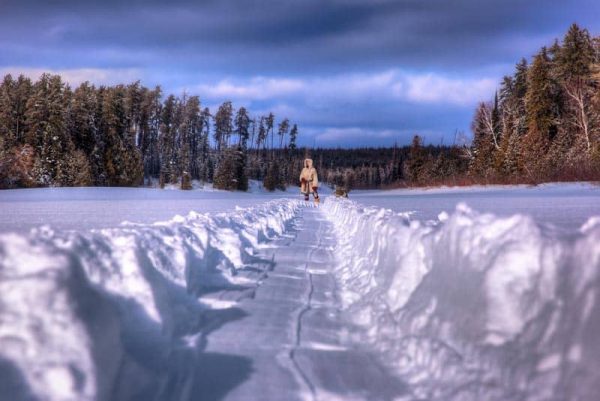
[{"x": 309, "y": 182}]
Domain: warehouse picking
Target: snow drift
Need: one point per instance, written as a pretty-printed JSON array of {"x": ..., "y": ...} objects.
[
  {"x": 113, "y": 314},
  {"x": 472, "y": 306}
]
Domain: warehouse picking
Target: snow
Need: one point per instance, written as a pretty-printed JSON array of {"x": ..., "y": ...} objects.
[
  {"x": 87, "y": 208},
  {"x": 474, "y": 303},
  {"x": 57, "y": 288},
  {"x": 566, "y": 206},
  {"x": 464, "y": 294}
]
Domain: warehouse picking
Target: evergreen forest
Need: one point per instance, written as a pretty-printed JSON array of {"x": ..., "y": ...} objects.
[{"x": 543, "y": 124}]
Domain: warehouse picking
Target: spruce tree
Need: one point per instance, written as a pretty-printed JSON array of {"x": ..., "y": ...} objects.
[
  {"x": 573, "y": 66},
  {"x": 541, "y": 117},
  {"x": 269, "y": 125},
  {"x": 45, "y": 119},
  {"x": 282, "y": 130},
  {"x": 485, "y": 142},
  {"x": 226, "y": 171},
  {"x": 168, "y": 167},
  {"x": 416, "y": 161},
  {"x": 293, "y": 137},
  {"x": 190, "y": 134},
  {"x": 223, "y": 125},
  {"x": 82, "y": 121},
  {"x": 122, "y": 158},
  {"x": 7, "y": 120},
  {"x": 150, "y": 120},
  {"x": 242, "y": 126}
]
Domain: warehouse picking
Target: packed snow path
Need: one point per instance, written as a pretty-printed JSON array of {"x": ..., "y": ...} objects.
[{"x": 287, "y": 343}]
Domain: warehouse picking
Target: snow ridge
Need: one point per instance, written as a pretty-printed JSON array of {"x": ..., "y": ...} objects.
[
  {"x": 120, "y": 301},
  {"x": 473, "y": 306}
]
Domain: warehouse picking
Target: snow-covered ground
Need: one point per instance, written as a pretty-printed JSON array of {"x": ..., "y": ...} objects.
[
  {"x": 566, "y": 205},
  {"x": 112, "y": 293},
  {"x": 81, "y": 308},
  {"x": 472, "y": 306},
  {"x": 94, "y": 207}
]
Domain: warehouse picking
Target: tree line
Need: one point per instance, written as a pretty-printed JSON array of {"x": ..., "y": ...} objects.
[
  {"x": 128, "y": 135},
  {"x": 544, "y": 123}
]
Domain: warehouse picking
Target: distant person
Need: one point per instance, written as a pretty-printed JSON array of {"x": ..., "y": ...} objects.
[{"x": 309, "y": 182}]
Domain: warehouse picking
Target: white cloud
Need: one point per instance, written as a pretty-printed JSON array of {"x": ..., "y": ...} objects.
[
  {"x": 257, "y": 88},
  {"x": 394, "y": 85},
  {"x": 431, "y": 88}
]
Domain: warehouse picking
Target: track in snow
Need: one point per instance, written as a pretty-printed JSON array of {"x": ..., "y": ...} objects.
[{"x": 288, "y": 342}]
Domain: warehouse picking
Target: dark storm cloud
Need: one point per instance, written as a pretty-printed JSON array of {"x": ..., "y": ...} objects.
[
  {"x": 430, "y": 46},
  {"x": 299, "y": 34}
]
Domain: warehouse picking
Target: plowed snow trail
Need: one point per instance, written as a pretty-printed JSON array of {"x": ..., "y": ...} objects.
[{"x": 291, "y": 335}]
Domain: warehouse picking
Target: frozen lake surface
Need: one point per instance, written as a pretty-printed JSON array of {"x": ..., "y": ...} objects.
[
  {"x": 461, "y": 294},
  {"x": 567, "y": 205},
  {"x": 86, "y": 208}
]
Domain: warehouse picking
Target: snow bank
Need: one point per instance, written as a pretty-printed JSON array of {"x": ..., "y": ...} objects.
[
  {"x": 473, "y": 306},
  {"x": 118, "y": 301}
]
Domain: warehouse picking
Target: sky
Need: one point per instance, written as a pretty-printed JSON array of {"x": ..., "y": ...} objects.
[{"x": 348, "y": 72}]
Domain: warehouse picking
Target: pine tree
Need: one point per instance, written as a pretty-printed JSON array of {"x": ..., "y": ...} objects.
[
  {"x": 122, "y": 158},
  {"x": 206, "y": 164},
  {"x": 82, "y": 120},
  {"x": 226, "y": 172},
  {"x": 282, "y": 130},
  {"x": 576, "y": 55},
  {"x": 7, "y": 120},
  {"x": 168, "y": 168},
  {"x": 242, "y": 126},
  {"x": 416, "y": 161},
  {"x": 261, "y": 139},
  {"x": 134, "y": 94},
  {"x": 45, "y": 119},
  {"x": 269, "y": 124},
  {"x": 272, "y": 180},
  {"x": 190, "y": 131},
  {"x": 541, "y": 117},
  {"x": 513, "y": 121},
  {"x": 574, "y": 61},
  {"x": 241, "y": 175},
  {"x": 485, "y": 141},
  {"x": 14, "y": 95},
  {"x": 223, "y": 125},
  {"x": 150, "y": 120},
  {"x": 293, "y": 137}
]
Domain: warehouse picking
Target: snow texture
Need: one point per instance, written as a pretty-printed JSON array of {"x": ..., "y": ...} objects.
[
  {"x": 460, "y": 305},
  {"x": 474, "y": 306},
  {"x": 93, "y": 208},
  {"x": 564, "y": 206},
  {"x": 81, "y": 309}
]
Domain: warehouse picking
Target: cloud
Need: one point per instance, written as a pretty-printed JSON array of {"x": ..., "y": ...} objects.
[
  {"x": 262, "y": 37},
  {"x": 433, "y": 88},
  {"x": 390, "y": 85},
  {"x": 257, "y": 88},
  {"x": 359, "y": 136}
]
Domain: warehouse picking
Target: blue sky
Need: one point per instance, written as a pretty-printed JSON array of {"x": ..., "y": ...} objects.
[{"x": 348, "y": 72}]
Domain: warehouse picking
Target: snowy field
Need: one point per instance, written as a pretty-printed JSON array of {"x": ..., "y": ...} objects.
[
  {"x": 118, "y": 293},
  {"x": 87, "y": 208},
  {"x": 566, "y": 206}
]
